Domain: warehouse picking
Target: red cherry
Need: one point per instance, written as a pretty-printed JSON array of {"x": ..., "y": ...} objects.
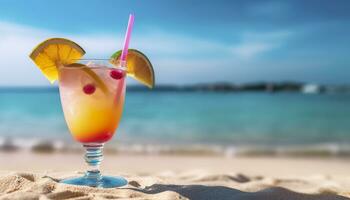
[
  {"x": 89, "y": 89},
  {"x": 117, "y": 74}
]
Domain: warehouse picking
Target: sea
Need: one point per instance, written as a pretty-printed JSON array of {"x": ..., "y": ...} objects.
[{"x": 226, "y": 122}]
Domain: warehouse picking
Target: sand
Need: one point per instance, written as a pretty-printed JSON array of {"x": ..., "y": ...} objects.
[{"x": 24, "y": 175}]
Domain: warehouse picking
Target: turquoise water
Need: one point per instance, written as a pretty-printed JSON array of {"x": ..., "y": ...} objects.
[{"x": 181, "y": 118}]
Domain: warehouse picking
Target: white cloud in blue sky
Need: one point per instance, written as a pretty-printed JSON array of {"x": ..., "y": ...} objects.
[
  {"x": 169, "y": 52},
  {"x": 253, "y": 44}
]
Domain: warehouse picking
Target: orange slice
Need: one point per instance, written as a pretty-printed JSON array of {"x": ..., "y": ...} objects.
[
  {"x": 52, "y": 53},
  {"x": 138, "y": 66}
]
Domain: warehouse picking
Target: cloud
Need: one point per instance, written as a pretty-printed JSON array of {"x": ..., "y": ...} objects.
[
  {"x": 191, "y": 58},
  {"x": 255, "y": 44},
  {"x": 155, "y": 42},
  {"x": 249, "y": 50},
  {"x": 15, "y": 45}
]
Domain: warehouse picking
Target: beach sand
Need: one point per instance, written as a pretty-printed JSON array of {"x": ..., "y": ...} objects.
[{"x": 27, "y": 175}]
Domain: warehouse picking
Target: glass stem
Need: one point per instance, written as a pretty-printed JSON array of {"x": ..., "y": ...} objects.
[{"x": 93, "y": 158}]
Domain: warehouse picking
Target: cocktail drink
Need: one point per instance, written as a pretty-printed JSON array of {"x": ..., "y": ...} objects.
[
  {"x": 92, "y": 95},
  {"x": 92, "y": 99}
]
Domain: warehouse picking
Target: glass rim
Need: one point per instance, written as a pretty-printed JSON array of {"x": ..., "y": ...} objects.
[
  {"x": 106, "y": 64},
  {"x": 99, "y": 59}
]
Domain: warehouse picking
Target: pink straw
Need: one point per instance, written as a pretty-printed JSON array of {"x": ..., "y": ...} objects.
[{"x": 127, "y": 40}]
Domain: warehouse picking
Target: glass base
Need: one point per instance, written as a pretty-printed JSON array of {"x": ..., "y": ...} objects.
[{"x": 103, "y": 182}]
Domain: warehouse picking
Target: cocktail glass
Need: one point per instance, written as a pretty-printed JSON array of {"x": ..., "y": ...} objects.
[{"x": 92, "y": 98}]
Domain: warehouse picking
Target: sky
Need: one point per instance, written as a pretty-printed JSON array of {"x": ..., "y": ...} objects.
[{"x": 188, "y": 41}]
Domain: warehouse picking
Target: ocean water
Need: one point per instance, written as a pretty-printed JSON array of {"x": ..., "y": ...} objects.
[{"x": 192, "y": 118}]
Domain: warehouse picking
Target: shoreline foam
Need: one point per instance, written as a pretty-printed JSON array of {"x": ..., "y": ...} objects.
[{"x": 62, "y": 146}]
